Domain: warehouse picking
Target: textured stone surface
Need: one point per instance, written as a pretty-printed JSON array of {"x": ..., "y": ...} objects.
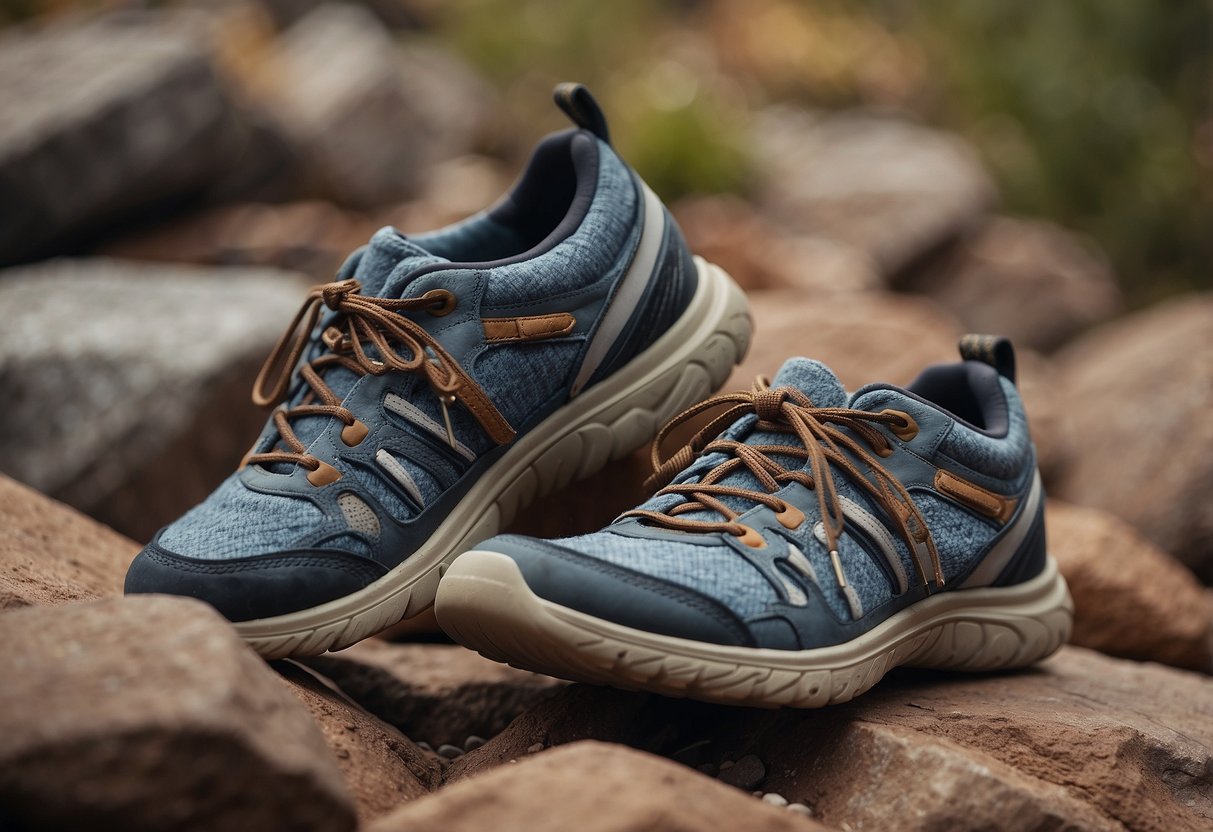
[
  {"x": 1139, "y": 392},
  {"x": 382, "y": 767},
  {"x": 1131, "y": 598},
  {"x": 50, "y": 553},
  {"x": 592, "y": 787},
  {"x": 863, "y": 338},
  {"x": 435, "y": 693},
  {"x": 728, "y": 231},
  {"x": 368, "y": 114},
  {"x": 127, "y": 384},
  {"x": 312, "y": 238},
  {"x": 149, "y": 713},
  {"x": 102, "y": 119},
  {"x": 1082, "y": 741},
  {"x": 1032, "y": 281},
  {"x": 893, "y": 189}
]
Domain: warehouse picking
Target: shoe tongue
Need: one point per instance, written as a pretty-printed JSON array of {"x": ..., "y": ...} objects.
[
  {"x": 389, "y": 262},
  {"x": 814, "y": 379},
  {"x": 386, "y": 268}
]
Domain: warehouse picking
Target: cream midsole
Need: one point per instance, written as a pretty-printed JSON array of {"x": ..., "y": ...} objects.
[
  {"x": 475, "y": 517},
  {"x": 1031, "y": 599}
]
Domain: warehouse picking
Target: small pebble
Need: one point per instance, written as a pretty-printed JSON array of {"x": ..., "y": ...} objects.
[
  {"x": 425, "y": 746},
  {"x": 535, "y": 749},
  {"x": 726, "y": 765},
  {"x": 774, "y": 799},
  {"x": 449, "y": 751},
  {"x": 800, "y": 809},
  {"x": 747, "y": 773},
  {"x": 473, "y": 742}
]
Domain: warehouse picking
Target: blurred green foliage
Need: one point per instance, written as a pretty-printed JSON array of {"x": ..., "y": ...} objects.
[
  {"x": 1095, "y": 113},
  {"x": 1092, "y": 112}
]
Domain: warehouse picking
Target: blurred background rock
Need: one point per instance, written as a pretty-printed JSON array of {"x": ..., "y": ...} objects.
[{"x": 881, "y": 175}]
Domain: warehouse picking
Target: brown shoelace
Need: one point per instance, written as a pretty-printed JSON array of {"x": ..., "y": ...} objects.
[
  {"x": 784, "y": 410},
  {"x": 362, "y": 320}
]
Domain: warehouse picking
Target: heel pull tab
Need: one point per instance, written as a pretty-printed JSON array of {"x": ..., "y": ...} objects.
[
  {"x": 581, "y": 107},
  {"x": 994, "y": 350}
]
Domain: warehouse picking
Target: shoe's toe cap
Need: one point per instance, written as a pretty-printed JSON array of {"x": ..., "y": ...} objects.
[
  {"x": 261, "y": 586},
  {"x": 618, "y": 594}
]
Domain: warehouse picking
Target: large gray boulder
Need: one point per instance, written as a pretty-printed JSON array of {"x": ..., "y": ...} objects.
[
  {"x": 127, "y": 385},
  {"x": 102, "y": 119}
]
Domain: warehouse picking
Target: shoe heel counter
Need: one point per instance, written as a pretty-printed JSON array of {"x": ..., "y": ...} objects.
[
  {"x": 1029, "y": 560},
  {"x": 670, "y": 282}
]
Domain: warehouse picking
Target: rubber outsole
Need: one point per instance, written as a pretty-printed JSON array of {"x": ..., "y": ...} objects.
[
  {"x": 608, "y": 421},
  {"x": 484, "y": 603}
]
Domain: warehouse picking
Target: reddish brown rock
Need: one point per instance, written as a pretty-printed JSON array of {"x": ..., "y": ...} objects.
[
  {"x": 150, "y": 713},
  {"x": 865, "y": 337},
  {"x": 312, "y": 238},
  {"x": 50, "y": 553},
  {"x": 728, "y": 232},
  {"x": 1131, "y": 598},
  {"x": 435, "y": 693},
  {"x": 1082, "y": 741},
  {"x": 1032, "y": 281},
  {"x": 1139, "y": 392},
  {"x": 592, "y": 787},
  {"x": 893, "y": 189},
  {"x": 382, "y": 767}
]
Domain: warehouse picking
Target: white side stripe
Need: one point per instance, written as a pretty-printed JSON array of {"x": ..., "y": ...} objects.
[
  {"x": 631, "y": 289},
  {"x": 1004, "y": 550},
  {"x": 862, "y": 518},
  {"x": 412, "y": 413},
  {"x": 400, "y": 474}
]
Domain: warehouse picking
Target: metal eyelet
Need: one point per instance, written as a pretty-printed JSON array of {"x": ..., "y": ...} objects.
[{"x": 448, "y": 302}]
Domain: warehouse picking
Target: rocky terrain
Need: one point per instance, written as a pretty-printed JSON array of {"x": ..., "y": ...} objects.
[{"x": 231, "y": 158}]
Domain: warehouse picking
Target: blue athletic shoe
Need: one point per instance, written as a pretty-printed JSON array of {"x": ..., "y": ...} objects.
[
  {"x": 443, "y": 381},
  {"x": 807, "y": 542}
]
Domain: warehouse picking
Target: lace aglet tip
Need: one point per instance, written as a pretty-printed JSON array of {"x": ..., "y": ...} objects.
[
  {"x": 446, "y": 417},
  {"x": 836, "y": 562}
]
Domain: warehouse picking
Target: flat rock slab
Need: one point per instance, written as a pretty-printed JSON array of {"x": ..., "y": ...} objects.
[
  {"x": 1082, "y": 741},
  {"x": 893, "y": 189},
  {"x": 1131, "y": 599},
  {"x": 1032, "y": 281},
  {"x": 127, "y": 383},
  {"x": 382, "y": 767},
  {"x": 150, "y": 713},
  {"x": 592, "y": 787},
  {"x": 101, "y": 119},
  {"x": 1139, "y": 392},
  {"x": 50, "y": 553},
  {"x": 434, "y": 693}
]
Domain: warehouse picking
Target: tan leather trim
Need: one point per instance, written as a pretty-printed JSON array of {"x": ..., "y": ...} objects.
[
  {"x": 986, "y": 502},
  {"x": 530, "y": 328}
]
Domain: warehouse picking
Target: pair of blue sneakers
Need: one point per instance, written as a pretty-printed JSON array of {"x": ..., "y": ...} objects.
[{"x": 802, "y": 542}]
